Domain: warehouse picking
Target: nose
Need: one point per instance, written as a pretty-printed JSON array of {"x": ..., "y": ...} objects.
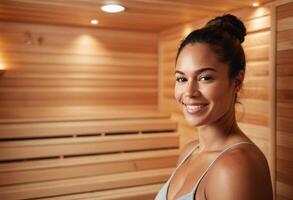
[{"x": 192, "y": 89}]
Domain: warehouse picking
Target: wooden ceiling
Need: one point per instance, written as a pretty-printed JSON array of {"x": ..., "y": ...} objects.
[{"x": 145, "y": 15}]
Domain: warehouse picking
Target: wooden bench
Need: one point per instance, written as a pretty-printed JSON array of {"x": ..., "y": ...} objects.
[
  {"x": 130, "y": 193},
  {"x": 88, "y": 158}
]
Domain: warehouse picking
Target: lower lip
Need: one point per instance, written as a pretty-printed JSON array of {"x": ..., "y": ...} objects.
[{"x": 195, "y": 111}]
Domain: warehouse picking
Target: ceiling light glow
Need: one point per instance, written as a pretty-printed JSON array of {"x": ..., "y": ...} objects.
[
  {"x": 2, "y": 66},
  {"x": 112, "y": 8},
  {"x": 94, "y": 21},
  {"x": 255, "y": 4}
]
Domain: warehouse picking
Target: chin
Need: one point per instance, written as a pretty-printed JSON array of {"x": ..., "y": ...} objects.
[{"x": 194, "y": 121}]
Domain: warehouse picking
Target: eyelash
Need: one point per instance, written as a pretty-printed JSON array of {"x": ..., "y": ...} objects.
[
  {"x": 182, "y": 79},
  {"x": 206, "y": 77}
]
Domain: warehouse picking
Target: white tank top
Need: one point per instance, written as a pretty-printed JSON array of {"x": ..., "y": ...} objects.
[{"x": 162, "y": 195}]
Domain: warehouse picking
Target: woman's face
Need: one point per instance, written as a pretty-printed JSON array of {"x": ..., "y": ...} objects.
[{"x": 202, "y": 85}]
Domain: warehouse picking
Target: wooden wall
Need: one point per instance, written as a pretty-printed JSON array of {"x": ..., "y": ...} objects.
[
  {"x": 254, "y": 113},
  {"x": 67, "y": 88},
  {"x": 59, "y": 71},
  {"x": 284, "y": 62}
]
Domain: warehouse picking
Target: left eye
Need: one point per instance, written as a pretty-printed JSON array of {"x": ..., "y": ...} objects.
[{"x": 205, "y": 78}]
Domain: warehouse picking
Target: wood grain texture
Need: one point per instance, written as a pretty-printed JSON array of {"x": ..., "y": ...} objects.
[
  {"x": 85, "y": 184},
  {"x": 146, "y": 15},
  {"x": 284, "y": 90},
  {"x": 75, "y": 68},
  {"x": 72, "y": 167},
  {"x": 68, "y": 156},
  {"x": 86, "y": 145},
  {"x": 147, "y": 192}
]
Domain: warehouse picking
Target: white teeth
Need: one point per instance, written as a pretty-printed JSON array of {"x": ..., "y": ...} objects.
[{"x": 193, "y": 108}]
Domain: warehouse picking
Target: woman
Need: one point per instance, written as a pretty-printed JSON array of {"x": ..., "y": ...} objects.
[{"x": 225, "y": 164}]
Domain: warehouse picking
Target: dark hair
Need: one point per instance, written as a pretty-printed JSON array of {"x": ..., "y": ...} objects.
[{"x": 224, "y": 35}]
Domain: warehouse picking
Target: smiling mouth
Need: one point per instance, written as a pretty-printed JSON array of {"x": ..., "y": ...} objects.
[{"x": 192, "y": 109}]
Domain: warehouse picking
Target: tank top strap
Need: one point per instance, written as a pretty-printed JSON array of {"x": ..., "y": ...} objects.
[
  {"x": 183, "y": 160},
  {"x": 222, "y": 153}
]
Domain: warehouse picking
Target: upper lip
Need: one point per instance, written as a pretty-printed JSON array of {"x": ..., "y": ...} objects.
[{"x": 194, "y": 104}]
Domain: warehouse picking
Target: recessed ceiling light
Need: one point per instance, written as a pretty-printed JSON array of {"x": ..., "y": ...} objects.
[
  {"x": 255, "y": 4},
  {"x": 112, "y": 8},
  {"x": 94, "y": 21}
]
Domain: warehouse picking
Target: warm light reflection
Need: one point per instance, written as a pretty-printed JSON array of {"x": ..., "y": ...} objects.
[
  {"x": 187, "y": 30},
  {"x": 86, "y": 39},
  {"x": 2, "y": 67},
  {"x": 260, "y": 12},
  {"x": 255, "y": 4},
  {"x": 94, "y": 21},
  {"x": 87, "y": 44},
  {"x": 260, "y": 21}
]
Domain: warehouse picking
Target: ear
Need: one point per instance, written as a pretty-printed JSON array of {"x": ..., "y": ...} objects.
[{"x": 239, "y": 80}]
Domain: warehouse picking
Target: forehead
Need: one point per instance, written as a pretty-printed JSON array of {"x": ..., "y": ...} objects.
[{"x": 199, "y": 55}]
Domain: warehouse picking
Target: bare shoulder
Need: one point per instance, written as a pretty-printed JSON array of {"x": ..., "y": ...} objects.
[
  {"x": 241, "y": 173},
  {"x": 186, "y": 149}
]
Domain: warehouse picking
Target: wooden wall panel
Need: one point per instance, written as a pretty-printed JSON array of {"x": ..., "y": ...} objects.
[
  {"x": 284, "y": 80},
  {"x": 145, "y": 15},
  {"x": 254, "y": 114},
  {"x": 65, "y": 71}
]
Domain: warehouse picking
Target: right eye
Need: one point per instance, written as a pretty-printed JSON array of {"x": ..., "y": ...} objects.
[{"x": 180, "y": 79}]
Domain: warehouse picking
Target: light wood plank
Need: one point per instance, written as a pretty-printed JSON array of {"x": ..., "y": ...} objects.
[
  {"x": 87, "y": 184},
  {"x": 56, "y": 169}
]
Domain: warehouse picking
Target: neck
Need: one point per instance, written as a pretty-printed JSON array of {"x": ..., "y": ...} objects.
[{"x": 215, "y": 135}]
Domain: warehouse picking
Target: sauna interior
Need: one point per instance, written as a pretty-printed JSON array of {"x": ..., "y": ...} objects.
[{"x": 87, "y": 110}]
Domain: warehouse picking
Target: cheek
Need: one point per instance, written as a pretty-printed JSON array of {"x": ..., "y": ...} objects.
[
  {"x": 214, "y": 92},
  {"x": 178, "y": 92},
  {"x": 211, "y": 92}
]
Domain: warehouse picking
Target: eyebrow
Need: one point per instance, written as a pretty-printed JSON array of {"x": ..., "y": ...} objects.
[{"x": 198, "y": 71}]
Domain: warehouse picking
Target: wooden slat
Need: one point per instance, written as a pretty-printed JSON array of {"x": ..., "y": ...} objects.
[
  {"x": 56, "y": 169},
  {"x": 87, "y": 145},
  {"x": 284, "y": 57},
  {"x": 284, "y": 153},
  {"x": 146, "y": 192},
  {"x": 257, "y": 68},
  {"x": 39, "y": 58},
  {"x": 258, "y": 24},
  {"x": 257, "y": 53},
  {"x": 284, "y": 175},
  {"x": 99, "y": 113},
  {"x": 285, "y": 24},
  {"x": 257, "y": 39},
  {"x": 45, "y": 129},
  {"x": 284, "y": 138},
  {"x": 75, "y": 67},
  {"x": 86, "y": 184},
  {"x": 65, "y": 113},
  {"x": 143, "y": 15},
  {"x": 285, "y": 110},
  {"x": 262, "y": 131},
  {"x": 284, "y": 11},
  {"x": 285, "y": 190}
]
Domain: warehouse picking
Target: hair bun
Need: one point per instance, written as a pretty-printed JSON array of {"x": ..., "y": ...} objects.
[{"x": 231, "y": 24}]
